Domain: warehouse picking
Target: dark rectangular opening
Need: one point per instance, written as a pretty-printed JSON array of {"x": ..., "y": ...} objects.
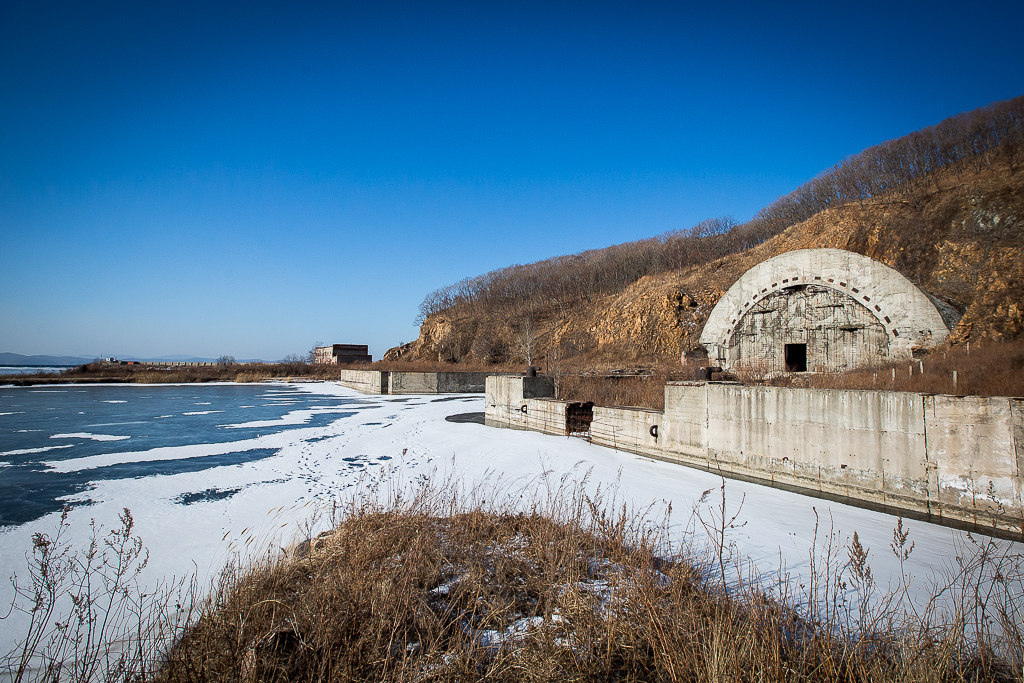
[
  {"x": 578, "y": 417},
  {"x": 796, "y": 357}
]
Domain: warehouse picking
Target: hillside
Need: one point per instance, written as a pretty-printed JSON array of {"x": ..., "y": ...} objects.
[{"x": 955, "y": 229}]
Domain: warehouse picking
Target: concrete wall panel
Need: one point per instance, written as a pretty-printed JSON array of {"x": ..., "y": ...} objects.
[
  {"x": 508, "y": 399},
  {"x": 972, "y": 444},
  {"x": 684, "y": 429},
  {"x": 366, "y": 381},
  {"x": 628, "y": 429}
]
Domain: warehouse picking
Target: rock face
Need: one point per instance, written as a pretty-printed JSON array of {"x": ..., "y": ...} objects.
[{"x": 960, "y": 241}]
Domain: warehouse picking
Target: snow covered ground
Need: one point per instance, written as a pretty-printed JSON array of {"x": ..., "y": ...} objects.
[{"x": 392, "y": 440}]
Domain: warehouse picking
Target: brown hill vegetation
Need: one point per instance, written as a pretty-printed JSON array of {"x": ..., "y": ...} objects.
[{"x": 943, "y": 206}]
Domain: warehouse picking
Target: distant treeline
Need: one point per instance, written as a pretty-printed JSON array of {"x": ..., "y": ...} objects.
[{"x": 969, "y": 141}]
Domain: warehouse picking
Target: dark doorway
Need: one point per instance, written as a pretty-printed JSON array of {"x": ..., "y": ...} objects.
[{"x": 796, "y": 357}]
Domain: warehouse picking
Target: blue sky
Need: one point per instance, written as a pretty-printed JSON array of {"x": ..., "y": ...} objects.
[{"x": 248, "y": 179}]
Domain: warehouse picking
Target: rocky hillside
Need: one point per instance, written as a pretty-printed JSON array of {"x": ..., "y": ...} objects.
[{"x": 959, "y": 235}]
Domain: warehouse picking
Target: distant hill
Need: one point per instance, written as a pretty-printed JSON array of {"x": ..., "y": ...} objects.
[
  {"x": 179, "y": 358},
  {"x": 18, "y": 359}
]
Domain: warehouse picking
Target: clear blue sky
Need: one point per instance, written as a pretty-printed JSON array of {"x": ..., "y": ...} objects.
[{"x": 248, "y": 179}]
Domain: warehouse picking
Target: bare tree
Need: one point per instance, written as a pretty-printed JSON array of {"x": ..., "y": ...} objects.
[
  {"x": 525, "y": 340},
  {"x": 311, "y": 354}
]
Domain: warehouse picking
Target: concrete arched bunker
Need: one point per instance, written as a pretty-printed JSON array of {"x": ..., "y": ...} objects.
[{"x": 908, "y": 316}]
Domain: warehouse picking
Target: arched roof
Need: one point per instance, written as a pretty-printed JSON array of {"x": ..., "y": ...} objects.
[{"x": 908, "y": 316}]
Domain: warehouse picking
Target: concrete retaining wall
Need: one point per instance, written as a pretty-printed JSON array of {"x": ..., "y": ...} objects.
[
  {"x": 950, "y": 458},
  {"x": 436, "y": 382},
  {"x": 865, "y": 444},
  {"x": 366, "y": 381},
  {"x": 976, "y": 448},
  {"x": 627, "y": 428},
  {"x": 524, "y": 403},
  {"x": 385, "y": 382}
]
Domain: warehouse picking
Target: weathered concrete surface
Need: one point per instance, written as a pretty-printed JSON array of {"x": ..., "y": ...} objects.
[
  {"x": 366, "y": 381},
  {"x": 628, "y": 429},
  {"x": 685, "y": 423},
  {"x": 865, "y": 444},
  {"x": 975, "y": 445},
  {"x": 905, "y": 316},
  {"x": 436, "y": 382},
  {"x": 385, "y": 382},
  {"x": 837, "y": 332},
  {"x": 517, "y": 402},
  {"x": 944, "y": 457}
]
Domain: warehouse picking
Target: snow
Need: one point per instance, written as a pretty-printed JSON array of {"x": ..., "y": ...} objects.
[
  {"x": 409, "y": 438},
  {"x": 87, "y": 435},
  {"x": 29, "y": 451}
]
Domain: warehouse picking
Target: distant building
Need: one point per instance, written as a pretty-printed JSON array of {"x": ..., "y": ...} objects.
[{"x": 343, "y": 354}]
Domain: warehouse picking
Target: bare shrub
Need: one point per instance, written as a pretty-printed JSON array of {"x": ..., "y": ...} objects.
[
  {"x": 753, "y": 371},
  {"x": 438, "y": 366},
  {"x": 89, "y": 619}
]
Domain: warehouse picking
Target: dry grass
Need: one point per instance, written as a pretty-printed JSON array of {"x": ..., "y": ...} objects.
[
  {"x": 547, "y": 583},
  {"x": 98, "y": 372},
  {"x": 985, "y": 369},
  {"x": 437, "y": 366},
  {"x": 641, "y": 392},
  {"x": 164, "y": 377},
  {"x": 454, "y": 587},
  {"x": 643, "y": 388}
]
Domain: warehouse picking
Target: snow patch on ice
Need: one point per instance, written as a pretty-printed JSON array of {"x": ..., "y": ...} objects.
[
  {"x": 29, "y": 451},
  {"x": 87, "y": 435},
  {"x": 294, "y": 417}
]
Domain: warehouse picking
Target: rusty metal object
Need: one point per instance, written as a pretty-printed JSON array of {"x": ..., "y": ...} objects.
[
  {"x": 578, "y": 418},
  {"x": 706, "y": 372}
]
